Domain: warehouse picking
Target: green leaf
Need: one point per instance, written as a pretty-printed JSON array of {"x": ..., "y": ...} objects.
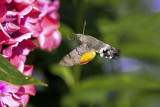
[
  {"x": 85, "y": 96},
  {"x": 10, "y": 74}
]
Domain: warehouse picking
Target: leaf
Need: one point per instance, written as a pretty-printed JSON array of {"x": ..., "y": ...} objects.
[
  {"x": 10, "y": 74},
  {"x": 85, "y": 96}
]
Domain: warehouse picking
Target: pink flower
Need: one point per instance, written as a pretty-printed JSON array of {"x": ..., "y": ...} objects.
[
  {"x": 5, "y": 38},
  {"x": 17, "y": 53},
  {"x": 21, "y": 22},
  {"x": 27, "y": 16},
  {"x": 49, "y": 37}
]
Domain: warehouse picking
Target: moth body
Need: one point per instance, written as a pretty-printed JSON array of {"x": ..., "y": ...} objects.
[
  {"x": 87, "y": 51},
  {"x": 93, "y": 43},
  {"x": 98, "y": 46}
]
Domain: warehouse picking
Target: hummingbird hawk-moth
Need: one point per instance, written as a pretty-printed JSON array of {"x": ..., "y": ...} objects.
[{"x": 87, "y": 51}]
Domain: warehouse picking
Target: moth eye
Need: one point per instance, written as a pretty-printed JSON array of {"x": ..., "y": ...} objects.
[{"x": 78, "y": 37}]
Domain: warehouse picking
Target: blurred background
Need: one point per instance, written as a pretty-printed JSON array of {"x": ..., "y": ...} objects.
[{"x": 133, "y": 26}]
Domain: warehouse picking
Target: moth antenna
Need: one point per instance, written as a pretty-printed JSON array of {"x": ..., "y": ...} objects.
[{"x": 84, "y": 26}]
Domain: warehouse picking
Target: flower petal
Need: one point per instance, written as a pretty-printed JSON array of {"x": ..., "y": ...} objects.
[
  {"x": 28, "y": 70},
  {"x": 49, "y": 41},
  {"x": 29, "y": 89},
  {"x": 23, "y": 37},
  {"x": 11, "y": 88},
  {"x": 57, "y": 39},
  {"x": 11, "y": 13},
  {"x": 24, "y": 47},
  {"x": 20, "y": 66},
  {"x": 34, "y": 28},
  {"x": 3, "y": 12},
  {"x": 48, "y": 37},
  {"x": 5, "y": 1},
  {"x": 49, "y": 24},
  {"x": 21, "y": 4},
  {"x": 24, "y": 100},
  {"x": 25, "y": 11},
  {"x": 11, "y": 27},
  {"x": 0, "y": 47},
  {"x": 10, "y": 101},
  {"x": 7, "y": 52},
  {"x": 18, "y": 61},
  {"x": 5, "y": 38},
  {"x": 2, "y": 104},
  {"x": 54, "y": 6}
]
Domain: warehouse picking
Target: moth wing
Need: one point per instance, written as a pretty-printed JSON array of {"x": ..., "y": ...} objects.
[{"x": 74, "y": 57}]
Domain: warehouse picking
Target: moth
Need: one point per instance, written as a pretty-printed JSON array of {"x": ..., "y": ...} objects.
[{"x": 87, "y": 50}]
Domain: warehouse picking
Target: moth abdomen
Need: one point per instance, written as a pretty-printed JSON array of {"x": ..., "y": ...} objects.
[{"x": 74, "y": 56}]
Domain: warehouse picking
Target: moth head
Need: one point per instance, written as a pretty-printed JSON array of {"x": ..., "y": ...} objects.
[
  {"x": 111, "y": 53},
  {"x": 79, "y": 37}
]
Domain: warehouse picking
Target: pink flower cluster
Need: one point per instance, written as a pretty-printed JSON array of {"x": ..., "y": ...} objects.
[{"x": 21, "y": 22}]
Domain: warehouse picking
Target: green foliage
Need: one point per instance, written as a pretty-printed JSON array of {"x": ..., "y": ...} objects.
[
  {"x": 95, "y": 89},
  {"x": 120, "y": 82},
  {"x": 10, "y": 74},
  {"x": 64, "y": 73},
  {"x": 65, "y": 30},
  {"x": 134, "y": 35}
]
